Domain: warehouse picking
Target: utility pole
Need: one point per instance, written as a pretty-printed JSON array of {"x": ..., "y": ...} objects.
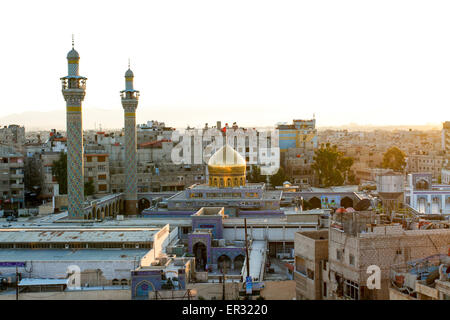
[
  {"x": 223, "y": 282},
  {"x": 246, "y": 253},
  {"x": 17, "y": 284},
  {"x": 246, "y": 248}
]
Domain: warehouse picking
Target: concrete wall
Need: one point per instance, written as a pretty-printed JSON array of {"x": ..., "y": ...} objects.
[
  {"x": 279, "y": 290},
  {"x": 109, "y": 270},
  {"x": 160, "y": 240},
  {"x": 264, "y": 233},
  {"x": 312, "y": 250},
  {"x": 215, "y": 290},
  {"x": 112, "y": 294}
]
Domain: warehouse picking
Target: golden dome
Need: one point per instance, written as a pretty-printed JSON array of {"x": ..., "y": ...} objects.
[
  {"x": 226, "y": 168},
  {"x": 226, "y": 156}
]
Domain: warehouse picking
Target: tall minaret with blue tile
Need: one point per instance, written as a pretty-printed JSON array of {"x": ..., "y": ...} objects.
[
  {"x": 130, "y": 99},
  {"x": 74, "y": 90}
]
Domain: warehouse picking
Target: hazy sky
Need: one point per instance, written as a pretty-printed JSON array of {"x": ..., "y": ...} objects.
[{"x": 255, "y": 62}]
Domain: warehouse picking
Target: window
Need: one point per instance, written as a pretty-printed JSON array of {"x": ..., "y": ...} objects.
[
  {"x": 101, "y": 158},
  {"x": 102, "y": 177},
  {"x": 351, "y": 290},
  {"x": 101, "y": 168},
  {"x": 185, "y": 230},
  {"x": 196, "y": 195},
  {"x": 339, "y": 254},
  {"x": 351, "y": 259},
  {"x": 300, "y": 265},
  {"x": 102, "y": 187},
  {"x": 89, "y": 159}
]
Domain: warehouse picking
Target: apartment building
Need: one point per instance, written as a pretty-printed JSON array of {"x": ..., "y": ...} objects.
[
  {"x": 298, "y": 141},
  {"x": 356, "y": 241},
  {"x": 446, "y": 137},
  {"x": 96, "y": 169},
  {"x": 11, "y": 178},
  {"x": 49, "y": 183},
  {"x": 13, "y": 136},
  {"x": 426, "y": 162}
]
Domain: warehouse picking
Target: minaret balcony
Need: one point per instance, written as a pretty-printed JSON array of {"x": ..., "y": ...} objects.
[
  {"x": 129, "y": 95},
  {"x": 73, "y": 83}
]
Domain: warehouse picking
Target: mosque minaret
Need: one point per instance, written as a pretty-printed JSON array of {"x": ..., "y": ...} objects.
[
  {"x": 130, "y": 99},
  {"x": 74, "y": 90}
]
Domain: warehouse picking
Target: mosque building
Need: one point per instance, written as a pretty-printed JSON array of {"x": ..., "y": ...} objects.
[{"x": 227, "y": 188}]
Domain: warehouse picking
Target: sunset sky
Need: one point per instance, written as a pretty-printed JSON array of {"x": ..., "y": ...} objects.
[{"x": 255, "y": 62}]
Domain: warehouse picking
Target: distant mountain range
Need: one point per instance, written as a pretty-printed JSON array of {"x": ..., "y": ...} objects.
[
  {"x": 56, "y": 119},
  {"x": 96, "y": 118}
]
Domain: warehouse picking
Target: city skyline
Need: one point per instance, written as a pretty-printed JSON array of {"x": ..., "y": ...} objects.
[
  {"x": 307, "y": 60},
  {"x": 92, "y": 120}
]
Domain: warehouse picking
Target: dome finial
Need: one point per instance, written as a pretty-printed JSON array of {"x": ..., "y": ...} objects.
[{"x": 128, "y": 63}]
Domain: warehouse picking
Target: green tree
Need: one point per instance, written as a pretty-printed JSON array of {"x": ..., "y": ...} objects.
[
  {"x": 89, "y": 188},
  {"x": 331, "y": 166},
  {"x": 59, "y": 170},
  {"x": 32, "y": 174},
  {"x": 255, "y": 176},
  {"x": 394, "y": 159},
  {"x": 278, "y": 178}
]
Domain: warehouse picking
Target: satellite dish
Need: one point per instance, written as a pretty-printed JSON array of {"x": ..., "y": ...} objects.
[{"x": 364, "y": 204}]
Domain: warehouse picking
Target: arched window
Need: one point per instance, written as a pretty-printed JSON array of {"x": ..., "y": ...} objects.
[
  {"x": 228, "y": 182},
  {"x": 215, "y": 182},
  {"x": 115, "y": 282},
  {"x": 124, "y": 282},
  {"x": 221, "y": 182}
]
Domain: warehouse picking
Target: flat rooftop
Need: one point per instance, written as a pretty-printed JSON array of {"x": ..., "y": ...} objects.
[
  {"x": 187, "y": 222},
  {"x": 9, "y": 235},
  {"x": 248, "y": 186},
  {"x": 315, "y": 235},
  {"x": 210, "y": 211},
  {"x": 8, "y": 255}
]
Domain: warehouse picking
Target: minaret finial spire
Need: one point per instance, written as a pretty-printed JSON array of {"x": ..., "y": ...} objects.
[
  {"x": 128, "y": 63},
  {"x": 73, "y": 41}
]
